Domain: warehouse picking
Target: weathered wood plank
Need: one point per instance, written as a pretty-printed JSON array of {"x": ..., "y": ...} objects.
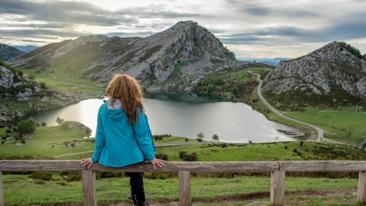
[
  {"x": 361, "y": 191},
  {"x": 74, "y": 165},
  {"x": 89, "y": 187},
  {"x": 2, "y": 196},
  {"x": 323, "y": 166},
  {"x": 277, "y": 188},
  {"x": 244, "y": 166},
  {"x": 185, "y": 188}
]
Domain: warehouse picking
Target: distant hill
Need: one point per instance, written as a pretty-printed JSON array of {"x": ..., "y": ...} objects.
[
  {"x": 171, "y": 60},
  {"x": 269, "y": 61},
  {"x": 26, "y": 48},
  {"x": 332, "y": 75},
  {"x": 8, "y": 52}
]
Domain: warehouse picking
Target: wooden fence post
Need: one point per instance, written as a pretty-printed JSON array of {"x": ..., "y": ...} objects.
[
  {"x": 2, "y": 196},
  {"x": 89, "y": 187},
  {"x": 184, "y": 188},
  {"x": 361, "y": 191},
  {"x": 278, "y": 188}
]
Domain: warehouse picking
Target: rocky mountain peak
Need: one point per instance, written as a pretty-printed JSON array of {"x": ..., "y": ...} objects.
[
  {"x": 184, "y": 24},
  {"x": 336, "y": 73},
  {"x": 173, "y": 59}
]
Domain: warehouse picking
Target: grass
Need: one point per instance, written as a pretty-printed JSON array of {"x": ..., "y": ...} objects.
[
  {"x": 65, "y": 81},
  {"x": 226, "y": 85},
  {"x": 22, "y": 190},
  {"x": 48, "y": 142},
  {"x": 275, "y": 151},
  {"x": 344, "y": 124},
  {"x": 175, "y": 139}
]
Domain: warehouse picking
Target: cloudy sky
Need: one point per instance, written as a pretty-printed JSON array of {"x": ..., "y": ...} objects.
[{"x": 250, "y": 28}]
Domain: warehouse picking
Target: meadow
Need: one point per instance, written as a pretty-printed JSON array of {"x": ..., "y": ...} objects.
[{"x": 344, "y": 124}]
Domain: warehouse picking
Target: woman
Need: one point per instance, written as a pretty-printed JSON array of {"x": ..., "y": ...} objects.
[{"x": 123, "y": 135}]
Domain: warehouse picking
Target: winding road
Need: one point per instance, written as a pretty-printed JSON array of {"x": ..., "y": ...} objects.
[{"x": 319, "y": 131}]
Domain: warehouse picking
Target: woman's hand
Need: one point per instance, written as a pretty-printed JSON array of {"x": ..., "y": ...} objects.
[
  {"x": 157, "y": 163},
  {"x": 88, "y": 163}
]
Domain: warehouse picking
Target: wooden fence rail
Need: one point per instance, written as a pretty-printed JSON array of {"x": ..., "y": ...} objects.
[{"x": 276, "y": 168}]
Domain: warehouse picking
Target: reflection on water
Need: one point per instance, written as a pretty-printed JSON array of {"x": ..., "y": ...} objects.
[{"x": 232, "y": 122}]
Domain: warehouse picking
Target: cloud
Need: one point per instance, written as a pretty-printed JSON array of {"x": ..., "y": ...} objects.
[
  {"x": 63, "y": 11},
  {"x": 258, "y": 25}
]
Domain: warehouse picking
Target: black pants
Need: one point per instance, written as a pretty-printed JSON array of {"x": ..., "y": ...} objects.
[{"x": 137, "y": 187}]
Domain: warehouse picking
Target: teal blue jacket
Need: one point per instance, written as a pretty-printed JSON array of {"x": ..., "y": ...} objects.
[{"x": 118, "y": 143}]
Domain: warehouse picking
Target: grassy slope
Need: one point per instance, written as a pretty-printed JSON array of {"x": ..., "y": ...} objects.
[
  {"x": 345, "y": 124},
  {"x": 22, "y": 190},
  {"x": 46, "y": 142},
  {"x": 65, "y": 81}
]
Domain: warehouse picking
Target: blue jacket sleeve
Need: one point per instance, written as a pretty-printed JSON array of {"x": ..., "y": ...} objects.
[
  {"x": 99, "y": 138},
  {"x": 143, "y": 136}
]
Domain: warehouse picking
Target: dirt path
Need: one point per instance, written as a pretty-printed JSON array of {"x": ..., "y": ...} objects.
[{"x": 320, "y": 131}]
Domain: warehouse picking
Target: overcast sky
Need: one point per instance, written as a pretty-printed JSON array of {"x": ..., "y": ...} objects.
[{"x": 250, "y": 28}]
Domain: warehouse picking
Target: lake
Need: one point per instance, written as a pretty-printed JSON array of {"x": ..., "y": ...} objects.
[{"x": 232, "y": 122}]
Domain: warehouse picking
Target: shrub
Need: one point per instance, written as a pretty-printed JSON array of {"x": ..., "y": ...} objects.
[
  {"x": 71, "y": 176},
  {"x": 199, "y": 140},
  {"x": 190, "y": 157},
  {"x": 26, "y": 126},
  {"x": 45, "y": 176},
  {"x": 43, "y": 85},
  {"x": 181, "y": 154},
  {"x": 162, "y": 156}
]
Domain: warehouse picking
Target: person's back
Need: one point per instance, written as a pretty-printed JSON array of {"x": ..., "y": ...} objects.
[
  {"x": 121, "y": 144},
  {"x": 123, "y": 135}
]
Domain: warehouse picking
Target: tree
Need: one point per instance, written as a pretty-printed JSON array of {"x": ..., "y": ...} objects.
[
  {"x": 200, "y": 135},
  {"x": 215, "y": 137},
  {"x": 43, "y": 85},
  {"x": 26, "y": 126}
]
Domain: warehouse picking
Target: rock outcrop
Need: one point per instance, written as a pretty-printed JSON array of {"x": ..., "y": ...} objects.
[
  {"x": 171, "y": 60},
  {"x": 335, "y": 73},
  {"x": 21, "y": 96}
]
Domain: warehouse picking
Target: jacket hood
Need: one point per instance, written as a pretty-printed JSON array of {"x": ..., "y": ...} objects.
[{"x": 115, "y": 112}]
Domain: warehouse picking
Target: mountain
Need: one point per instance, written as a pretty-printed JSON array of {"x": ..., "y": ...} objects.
[
  {"x": 26, "y": 48},
  {"x": 269, "y": 61},
  {"x": 171, "y": 60},
  {"x": 21, "y": 96},
  {"x": 8, "y": 52},
  {"x": 334, "y": 74}
]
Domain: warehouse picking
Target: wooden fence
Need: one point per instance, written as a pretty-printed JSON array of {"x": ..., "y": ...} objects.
[{"x": 276, "y": 168}]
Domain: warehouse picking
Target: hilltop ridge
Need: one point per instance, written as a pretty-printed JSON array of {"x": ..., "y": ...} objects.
[
  {"x": 172, "y": 60},
  {"x": 333, "y": 75}
]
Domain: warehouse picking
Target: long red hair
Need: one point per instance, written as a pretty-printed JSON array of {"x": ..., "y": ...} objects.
[{"x": 128, "y": 90}]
